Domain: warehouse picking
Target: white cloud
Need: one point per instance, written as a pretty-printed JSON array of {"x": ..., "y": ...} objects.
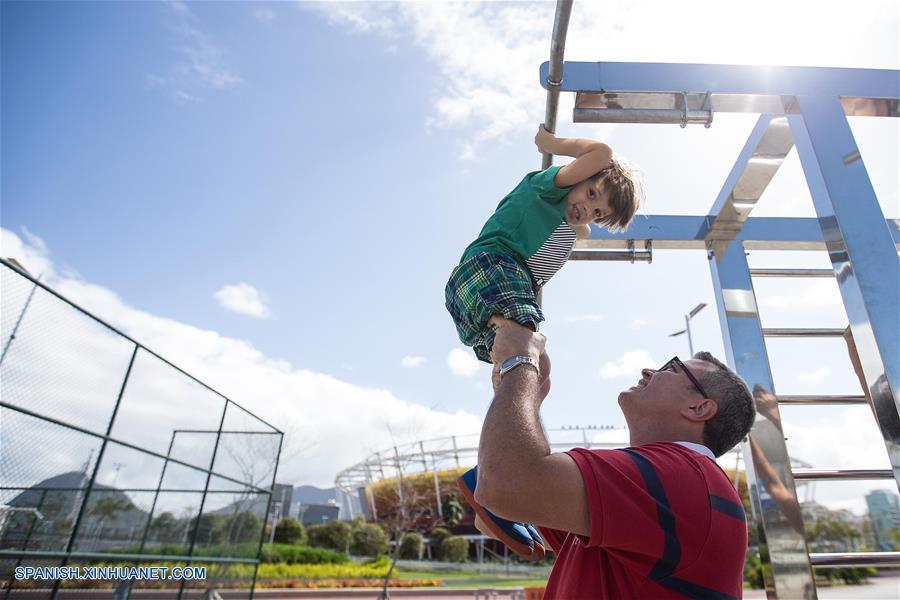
[
  {"x": 462, "y": 362},
  {"x": 201, "y": 64},
  {"x": 814, "y": 376},
  {"x": 264, "y": 15},
  {"x": 245, "y": 299},
  {"x": 585, "y": 318},
  {"x": 410, "y": 362},
  {"x": 638, "y": 323},
  {"x": 32, "y": 254},
  {"x": 630, "y": 364},
  {"x": 820, "y": 293},
  {"x": 490, "y": 99},
  {"x": 289, "y": 397}
]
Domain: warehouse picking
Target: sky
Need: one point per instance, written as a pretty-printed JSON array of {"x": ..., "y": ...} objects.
[{"x": 272, "y": 195}]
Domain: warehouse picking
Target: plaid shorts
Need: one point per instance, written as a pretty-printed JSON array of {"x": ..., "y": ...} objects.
[{"x": 485, "y": 285}]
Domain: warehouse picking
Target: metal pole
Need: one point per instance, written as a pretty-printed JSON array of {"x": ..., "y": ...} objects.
[
  {"x": 90, "y": 487},
  {"x": 212, "y": 464},
  {"x": 34, "y": 519},
  {"x": 268, "y": 507},
  {"x": 12, "y": 336},
  {"x": 687, "y": 326},
  {"x": 156, "y": 494},
  {"x": 554, "y": 79}
]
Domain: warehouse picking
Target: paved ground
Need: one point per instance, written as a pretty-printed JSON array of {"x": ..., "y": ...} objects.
[{"x": 882, "y": 588}]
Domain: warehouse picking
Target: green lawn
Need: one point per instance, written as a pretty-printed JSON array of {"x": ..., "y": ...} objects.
[{"x": 474, "y": 580}]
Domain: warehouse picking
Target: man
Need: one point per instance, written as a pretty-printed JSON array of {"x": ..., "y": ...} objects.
[{"x": 658, "y": 519}]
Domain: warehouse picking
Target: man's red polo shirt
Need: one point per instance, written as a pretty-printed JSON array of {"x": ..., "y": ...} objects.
[{"x": 666, "y": 522}]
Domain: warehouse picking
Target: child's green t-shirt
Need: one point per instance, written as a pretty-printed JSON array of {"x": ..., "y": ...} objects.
[{"x": 524, "y": 219}]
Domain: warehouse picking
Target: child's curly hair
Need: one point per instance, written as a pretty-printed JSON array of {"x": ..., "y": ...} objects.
[{"x": 626, "y": 192}]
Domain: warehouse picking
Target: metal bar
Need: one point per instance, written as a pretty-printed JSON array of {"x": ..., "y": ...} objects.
[
  {"x": 675, "y": 232},
  {"x": 792, "y": 272},
  {"x": 262, "y": 534},
  {"x": 612, "y": 255},
  {"x": 743, "y": 82},
  {"x": 212, "y": 463},
  {"x": 660, "y": 116},
  {"x": 822, "y": 400},
  {"x": 90, "y": 487},
  {"x": 128, "y": 445},
  {"x": 148, "y": 490},
  {"x": 555, "y": 69},
  {"x": 766, "y": 459},
  {"x": 12, "y": 335},
  {"x": 162, "y": 476},
  {"x": 135, "y": 342},
  {"x": 803, "y": 332},
  {"x": 759, "y": 160},
  {"x": 123, "y": 556},
  {"x": 860, "y": 249},
  {"x": 34, "y": 519},
  {"x": 855, "y": 559},
  {"x": 843, "y": 474}
]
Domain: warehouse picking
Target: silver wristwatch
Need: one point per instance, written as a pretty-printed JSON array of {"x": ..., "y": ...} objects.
[{"x": 514, "y": 361}]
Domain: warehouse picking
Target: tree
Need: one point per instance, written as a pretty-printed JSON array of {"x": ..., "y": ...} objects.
[
  {"x": 452, "y": 510},
  {"x": 243, "y": 527},
  {"x": 290, "y": 531},
  {"x": 166, "y": 528}
]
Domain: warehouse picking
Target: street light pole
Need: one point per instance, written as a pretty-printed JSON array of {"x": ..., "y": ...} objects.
[{"x": 687, "y": 326}]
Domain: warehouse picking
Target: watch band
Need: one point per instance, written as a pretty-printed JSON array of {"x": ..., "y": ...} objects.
[{"x": 514, "y": 361}]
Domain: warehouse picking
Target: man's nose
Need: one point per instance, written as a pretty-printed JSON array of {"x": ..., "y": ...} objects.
[{"x": 646, "y": 372}]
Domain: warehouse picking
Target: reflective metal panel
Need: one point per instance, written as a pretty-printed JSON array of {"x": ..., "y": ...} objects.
[
  {"x": 769, "y": 475},
  {"x": 861, "y": 251}
]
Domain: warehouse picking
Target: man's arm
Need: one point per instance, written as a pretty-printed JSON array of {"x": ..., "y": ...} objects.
[
  {"x": 590, "y": 156},
  {"x": 518, "y": 477}
]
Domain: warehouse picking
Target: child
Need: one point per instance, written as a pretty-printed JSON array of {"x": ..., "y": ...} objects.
[{"x": 523, "y": 244}]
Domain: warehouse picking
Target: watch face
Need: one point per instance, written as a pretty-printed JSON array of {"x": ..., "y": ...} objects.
[{"x": 509, "y": 362}]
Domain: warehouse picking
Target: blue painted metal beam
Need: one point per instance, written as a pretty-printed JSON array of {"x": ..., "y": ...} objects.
[
  {"x": 725, "y": 79},
  {"x": 692, "y": 232}
]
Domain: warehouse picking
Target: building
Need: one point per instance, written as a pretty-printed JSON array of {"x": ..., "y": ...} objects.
[
  {"x": 282, "y": 494},
  {"x": 317, "y": 514},
  {"x": 884, "y": 514}
]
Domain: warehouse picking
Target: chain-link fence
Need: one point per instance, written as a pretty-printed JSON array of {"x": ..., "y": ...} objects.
[{"x": 112, "y": 456}]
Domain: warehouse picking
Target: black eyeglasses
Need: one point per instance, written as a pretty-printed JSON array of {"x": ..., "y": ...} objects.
[{"x": 677, "y": 362}]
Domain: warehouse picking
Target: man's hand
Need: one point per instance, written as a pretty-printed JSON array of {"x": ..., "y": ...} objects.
[
  {"x": 512, "y": 339},
  {"x": 544, "y": 140}
]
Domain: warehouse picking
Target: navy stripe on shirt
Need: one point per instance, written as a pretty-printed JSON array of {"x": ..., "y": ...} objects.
[
  {"x": 726, "y": 506},
  {"x": 667, "y": 564},
  {"x": 662, "y": 571}
]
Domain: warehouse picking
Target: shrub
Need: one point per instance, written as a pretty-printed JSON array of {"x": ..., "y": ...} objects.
[
  {"x": 283, "y": 553},
  {"x": 437, "y": 535},
  {"x": 369, "y": 540},
  {"x": 411, "y": 546},
  {"x": 454, "y": 548},
  {"x": 290, "y": 531},
  {"x": 334, "y": 535}
]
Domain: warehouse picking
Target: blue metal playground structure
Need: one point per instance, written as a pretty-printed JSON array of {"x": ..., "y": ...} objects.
[
  {"x": 211, "y": 469},
  {"x": 800, "y": 107}
]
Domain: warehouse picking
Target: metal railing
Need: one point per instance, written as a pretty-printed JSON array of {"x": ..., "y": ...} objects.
[{"x": 113, "y": 454}]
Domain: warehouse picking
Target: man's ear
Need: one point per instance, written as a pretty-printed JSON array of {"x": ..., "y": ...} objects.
[{"x": 700, "y": 411}]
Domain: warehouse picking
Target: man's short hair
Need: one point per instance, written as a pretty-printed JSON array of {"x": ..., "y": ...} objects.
[{"x": 736, "y": 411}]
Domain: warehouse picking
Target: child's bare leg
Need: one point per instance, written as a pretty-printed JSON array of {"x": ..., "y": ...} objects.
[{"x": 497, "y": 321}]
